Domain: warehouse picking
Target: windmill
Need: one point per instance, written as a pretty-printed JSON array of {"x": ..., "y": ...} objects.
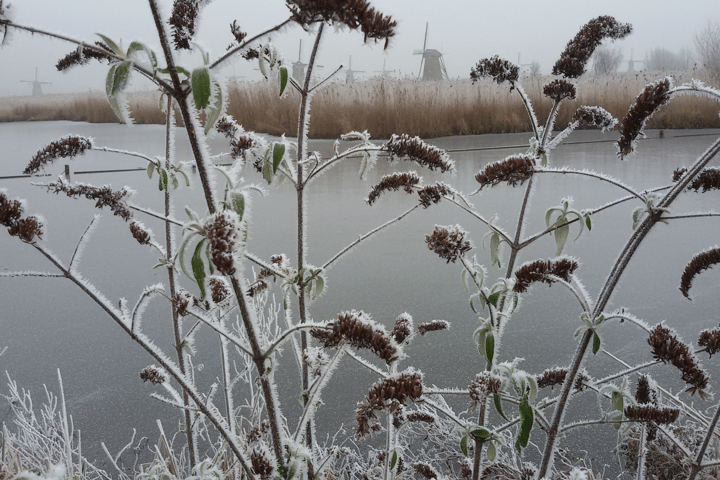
[
  {"x": 384, "y": 73},
  {"x": 36, "y": 85},
  {"x": 432, "y": 60},
  {"x": 350, "y": 73},
  {"x": 298, "y": 68},
  {"x": 631, "y": 63}
]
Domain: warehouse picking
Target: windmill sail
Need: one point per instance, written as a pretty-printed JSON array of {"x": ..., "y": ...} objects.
[{"x": 432, "y": 64}]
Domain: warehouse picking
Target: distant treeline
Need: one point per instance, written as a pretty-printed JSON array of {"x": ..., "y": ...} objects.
[{"x": 387, "y": 106}]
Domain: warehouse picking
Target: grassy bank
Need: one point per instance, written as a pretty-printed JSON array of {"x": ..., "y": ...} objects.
[{"x": 383, "y": 107}]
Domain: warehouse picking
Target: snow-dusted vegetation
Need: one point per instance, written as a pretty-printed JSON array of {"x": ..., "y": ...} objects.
[{"x": 214, "y": 283}]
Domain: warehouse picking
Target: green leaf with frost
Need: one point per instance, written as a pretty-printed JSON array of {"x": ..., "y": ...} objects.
[
  {"x": 138, "y": 47},
  {"x": 637, "y": 215},
  {"x": 200, "y": 84},
  {"x": 198, "y": 267},
  {"x": 463, "y": 445},
  {"x": 561, "y": 235},
  {"x": 237, "y": 203},
  {"x": 480, "y": 433},
  {"x": 118, "y": 77},
  {"x": 278, "y": 153},
  {"x": 319, "y": 287},
  {"x": 150, "y": 169},
  {"x": 163, "y": 179},
  {"x": 283, "y": 78},
  {"x": 491, "y": 451},
  {"x": 498, "y": 405},
  {"x": 490, "y": 347},
  {"x": 175, "y": 182},
  {"x": 215, "y": 110},
  {"x": 588, "y": 222},
  {"x": 528, "y": 417},
  {"x": 394, "y": 459},
  {"x": 113, "y": 46},
  {"x": 494, "y": 248},
  {"x": 596, "y": 343},
  {"x": 267, "y": 171},
  {"x": 493, "y": 298}
]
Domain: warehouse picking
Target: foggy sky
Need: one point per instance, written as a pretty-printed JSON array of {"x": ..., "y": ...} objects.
[{"x": 464, "y": 32}]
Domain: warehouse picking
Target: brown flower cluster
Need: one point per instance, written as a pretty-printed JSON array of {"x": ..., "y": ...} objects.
[
  {"x": 223, "y": 237},
  {"x": 701, "y": 261},
  {"x": 667, "y": 348},
  {"x": 139, "y": 232},
  {"x": 227, "y": 126},
  {"x": 419, "y": 152},
  {"x": 65, "y": 147},
  {"x": 579, "y": 50},
  {"x": 152, "y": 375},
  {"x": 356, "y": 14},
  {"x": 710, "y": 339},
  {"x": 219, "y": 289},
  {"x": 560, "y": 89},
  {"x": 256, "y": 432},
  {"x": 651, "y": 413},
  {"x": 237, "y": 33},
  {"x": 448, "y": 242},
  {"x": 82, "y": 56},
  {"x": 484, "y": 385},
  {"x": 465, "y": 469},
  {"x": 434, "y": 326},
  {"x": 650, "y": 99},
  {"x": 402, "y": 329},
  {"x": 514, "y": 169},
  {"x": 393, "y": 181},
  {"x": 420, "y": 417},
  {"x": 387, "y": 394},
  {"x": 261, "y": 465},
  {"x": 707, "y": 179},
  {"x": 595, "y": 116},
  {"x": 104, "y": 196},
  {"x": 433, "y": 193},
  {"x": 541, "y": 271},
  {"x": 425, "y": 470},
  {"x": 644, "y": 393},
  {"x": 181, "y": 301},
  {"x": 357, "y": 329},
  {"x": 26, "y": 229},
  {"x": 550, "y": 378},
  {"x": 182, "y": 21},
  {"x": 496, "y": 68}
]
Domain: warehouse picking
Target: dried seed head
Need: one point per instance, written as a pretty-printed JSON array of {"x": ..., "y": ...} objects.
[
  {"x": 69, "y": 146},
  {"x": 182, "y": 21},
  {"x": 648, "y": 102},
  {"x": 595, "y": 116},
  {"x": 153, "y": 375},
  {"x": 219, "y": 289},
  {"x": 104, "y": 196},
  {"x": 387, "y": 394},
  {"x": 394, "y": 182},
  {"x": 261, "y": 464},
  {"x": 434, "y": 193},
  {"x": 255, "y": 434},
  {"x": 559, "y": 90},
  {"x": 181, "y": 301},
  {"x": 701, "y": 261},
  {"x": 26, "y": 229},
  {"x": 414, "y": 149},
  {"x": 484, "y": 385},
  {"x": 257, "y": 287},
  {"x": 550, "y": 378},
  {"x": 360, "y": 331},
  {"x": 644, "y": 393},
  {"x": 420, "y": 417},
  {"x": 543, "y": 271},
  {"x": 355, "y": 14},
  {"x": 224, "y": 241},
  {"x": 434, "y": 326},
  {"x": 140, "y": 232},
  {"x": 465, "y": 469},
  {"x": 579, "y": 50},
  {"x": 425, "y": 470},
  {"x": 227, "y": 126},
  {"x": 403, "y": 328},
  {"x": 83, "y": 55},
  {"x": 651, "y": 413},
  {"x": 710, "y": 339},
  {"x": 707, "y": 179},
  {"x": 237, "y": 33},
  {"x": 513, "y": 170},
  {"x": 666, "y": 347},
  {"x": 448, "y": 242},
  {"x": 498, "y": 69}
]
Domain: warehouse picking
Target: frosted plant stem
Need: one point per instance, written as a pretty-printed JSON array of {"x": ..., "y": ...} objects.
[
  {"x": 642, "y": 453},
  {"x": 66, "y": 430},
  {"x": 177, "y": 324},
  {"x": 618, "y": 268},
  {"x": 301, "y": 253},
  {"x": 696, "y": 466},
  {"x": 515, "y": 245}
]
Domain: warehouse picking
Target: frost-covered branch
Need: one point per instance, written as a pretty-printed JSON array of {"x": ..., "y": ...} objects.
[{"x": 589, "y": 173}]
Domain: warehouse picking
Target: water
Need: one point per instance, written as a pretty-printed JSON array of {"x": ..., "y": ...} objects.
[{"x": 48, "y": 324}]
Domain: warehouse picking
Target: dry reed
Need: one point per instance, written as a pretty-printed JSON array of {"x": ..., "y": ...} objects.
[{"x": 385, "y": 106}]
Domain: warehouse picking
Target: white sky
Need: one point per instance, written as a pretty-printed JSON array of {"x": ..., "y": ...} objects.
[{"x": 463, "y": 30}]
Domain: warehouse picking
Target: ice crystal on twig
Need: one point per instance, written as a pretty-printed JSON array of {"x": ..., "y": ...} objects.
[
  {"x": 708, "y": 179},
  {"x": 498, "y": 69},
  {"x": 513, "y": 170},
  {"x": 578, "y": 51},
  {"x": 104, "y": 196},
  {"x": 69, "y": 146},
  {"x": 360, "y": 331},
  {"x": 648, "y": 102},
  {"x": 560, "y": 89},
  {"x": 666, "y": 347},
  {"x": 448, "y": 242},
  {"x": 414, "y": 149},
  {"x": 26, "y": 229},
  {"x": 393, "y": 181},
  {"x": 387, "y": 394},
  {"x": 355, "y": 14},
  {"x": 701, "y": 261},
  {"x": 544, "y": 271}
]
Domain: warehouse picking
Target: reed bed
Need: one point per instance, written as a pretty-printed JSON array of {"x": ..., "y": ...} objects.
[{"x": 384, "y": 106}]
